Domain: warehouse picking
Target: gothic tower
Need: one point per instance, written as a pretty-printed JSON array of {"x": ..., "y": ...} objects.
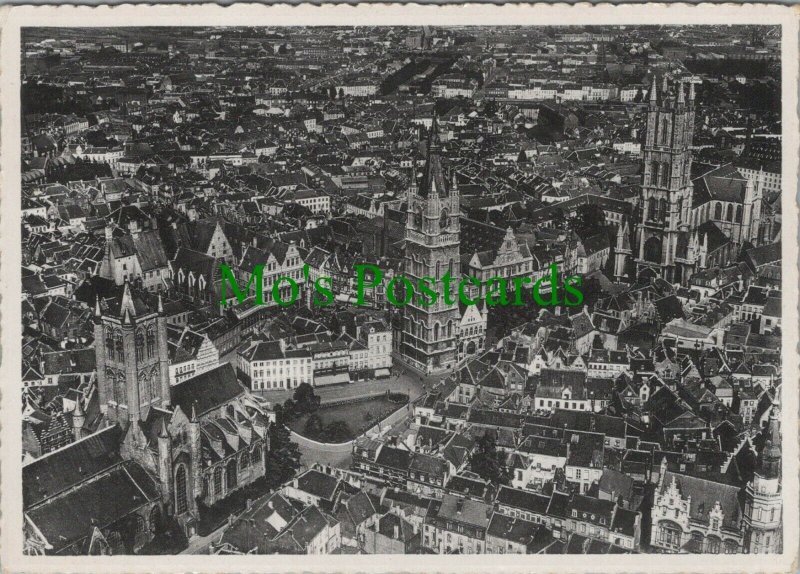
[
  {"x": 432, "y": 237},
  {"x": 622, "y": 250},
  {"x": 132, "y": 356},
  {"x": 666, "y": 198},
  {"x": 762, "y": 522}
]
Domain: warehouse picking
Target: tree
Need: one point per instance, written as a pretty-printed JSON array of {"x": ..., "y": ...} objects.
[
  {"x": 332, "y": 93},
  {"x": 289, "y": 411},
  {"x": 283, "y": 458},
  {"x": 306, "y": 400},
  {"x": 313, "y": 426},
  {"x": 558, "y": 219},
  {"x": 337, "y": 431},
  {"x": 589, "y": 217},
  {"x": 487, "y": 462}
]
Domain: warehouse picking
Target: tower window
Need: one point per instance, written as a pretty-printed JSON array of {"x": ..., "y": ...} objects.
[
  {"x": 151, "y": 342},
  {"x": 665, "y": 175},
  {"x": 139, "y": 345},
  {"x": 110, "y": 344},
  {"x": 118, "y": 346},
  {"x": 665, "y": 131}
]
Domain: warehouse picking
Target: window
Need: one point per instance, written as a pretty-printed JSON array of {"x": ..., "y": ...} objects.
[
  {"x": 120, "y": 350},
  {"x": 230, "y": 475},
  {"x": 139, "y": 345},
  {"x": 181, "y": 504},
  {"x": 713, "y": 545},
  {"x": 218, "y": 481},
  {"x": 151, "y": 342},
  {"x": 669, "y": 535}
]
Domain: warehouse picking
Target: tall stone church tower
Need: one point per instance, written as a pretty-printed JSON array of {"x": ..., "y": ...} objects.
[
  {"x": 663, "y": 233},
  {"x": 132, "y": 356},
  {"x": 762, "y": 521},
  {"x": 432, "y": 236}
]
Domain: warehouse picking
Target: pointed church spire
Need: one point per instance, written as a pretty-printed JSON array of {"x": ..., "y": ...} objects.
[
  {"x": 163, "y": 432},
  {"x": 681, "y": 98},
  {"x": 126, "y": 307},
  {"x": 433, "y": 136},
  {"x": 194, "y": 414},
  {"x": 623, "y": 237},
  {"x": 691, "y": 91},
  {"x": 160, "y": 304},
  {"x": 97, "y": 311},
  {"x": 434, "y": 181}
]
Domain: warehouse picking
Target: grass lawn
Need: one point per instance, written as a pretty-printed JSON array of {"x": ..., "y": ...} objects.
[{"x": 359, "y": 416}]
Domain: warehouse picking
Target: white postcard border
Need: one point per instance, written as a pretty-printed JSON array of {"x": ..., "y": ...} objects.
[{"x": 12, "y": 19}]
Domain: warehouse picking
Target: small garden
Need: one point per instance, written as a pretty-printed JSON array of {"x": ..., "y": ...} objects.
[{"x": 344, "y": 422}]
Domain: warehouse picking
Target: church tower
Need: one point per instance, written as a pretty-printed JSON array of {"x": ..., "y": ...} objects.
[
  {"x": 132, "y": 356},
  {"x": 762, "y": 522},
  {"x": 622, "y": 250},
  {"x": 666, "y": 198},
  {"x": 432, "y": 237}
]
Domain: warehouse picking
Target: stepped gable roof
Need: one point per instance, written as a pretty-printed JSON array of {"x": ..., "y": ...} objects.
[{"x": 704, "y": 496}]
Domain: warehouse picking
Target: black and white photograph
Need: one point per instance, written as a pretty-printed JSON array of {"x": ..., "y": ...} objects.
[{"x": 402, "y": 289}]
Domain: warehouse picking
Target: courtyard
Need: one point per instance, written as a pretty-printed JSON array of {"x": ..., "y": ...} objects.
[{"x": 344, "y": 422}]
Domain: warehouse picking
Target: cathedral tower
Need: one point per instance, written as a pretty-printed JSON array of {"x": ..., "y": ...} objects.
[
  {"x": 666, "y": 199},
  {"x": 432, "y": 236},
  {"x": 762, "y": 522},
  {"x": 132, "y": 356},
  {"x": 622, "y": 250}
]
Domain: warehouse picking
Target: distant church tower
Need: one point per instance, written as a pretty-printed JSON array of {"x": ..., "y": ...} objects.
[
  {"x": 132, "y": 357},
  {"x": 762, "y": 522},
  {"x": 432, "y": 236},
  {"x": 622, "y": 250},
  {"x": 663, "y": 233}
]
